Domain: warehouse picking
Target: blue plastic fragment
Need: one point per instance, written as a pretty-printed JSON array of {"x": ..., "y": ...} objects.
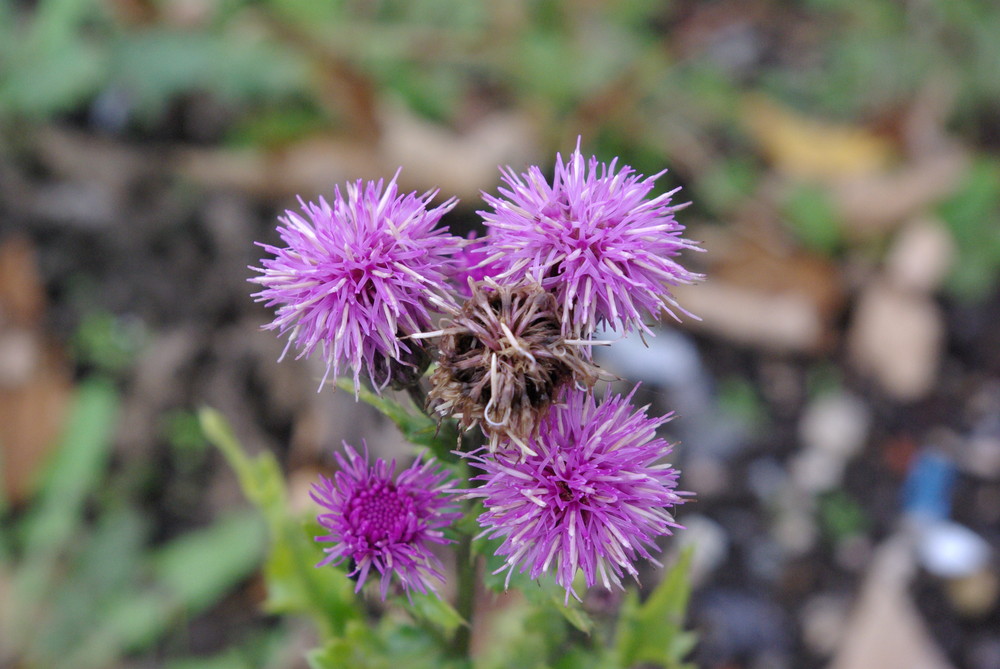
[{"x": 928, "y": 486}]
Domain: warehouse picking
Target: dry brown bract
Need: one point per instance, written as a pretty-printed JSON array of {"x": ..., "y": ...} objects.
[{"x": 502, "y": 361}]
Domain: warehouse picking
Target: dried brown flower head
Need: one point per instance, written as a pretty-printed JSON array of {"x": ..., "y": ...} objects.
[{"x": 502, "y": 360}]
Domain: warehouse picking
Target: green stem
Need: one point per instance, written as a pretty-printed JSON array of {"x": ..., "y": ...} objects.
[
  {"x": 466, "y": 568},
  {"x": 419, "y": 397}
]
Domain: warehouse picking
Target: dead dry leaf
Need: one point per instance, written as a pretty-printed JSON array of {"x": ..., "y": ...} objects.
[
  {"x": 885, "y": 630},
  {"x": 921, "y": 255},
  {"x": 432, "y": 156},
  {"x": 460, "y": 164},
  {"x": 763, "y": 292},
  {"x": 34, "y": 376},
  {"x": 308, "y": 168},
  {"x": 872, "y": 204},
  {"x": 785, "y": 322},
  {"x": 22, "y": 297},
  {"x": 896, "y": 338}
]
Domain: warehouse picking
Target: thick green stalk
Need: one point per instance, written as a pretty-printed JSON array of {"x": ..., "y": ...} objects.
[{"x": 465, "y": 567}]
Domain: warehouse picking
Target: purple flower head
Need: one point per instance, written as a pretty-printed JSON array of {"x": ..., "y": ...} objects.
[
  {"x": 376, "y": 520},
  {"x": 471, "y": 264},
  {"x": 593, "y": 497},
  {"x": 593, "y": 238},
  {"x": 357, "y": 275}
]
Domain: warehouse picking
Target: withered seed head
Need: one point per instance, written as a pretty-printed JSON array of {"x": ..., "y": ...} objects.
[{"x": 502, "y": 360}]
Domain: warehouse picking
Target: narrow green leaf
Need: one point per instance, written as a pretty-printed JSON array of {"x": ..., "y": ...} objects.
[
  {"x": 652, "y": 632},
  {"x": 77, "y": 466},
  {"x": 295, "y": 585},
  {"x": 197, "y": 568},
  {"x": 228, "y": 659},
  {"x": 549, "y": 595},
  {"x": 436, "y": 611},
  {"x": 130, "y": 623},
  {"x": 73, "y": 473},
  {"x": 252, "y": 475},
  {"x": 258, "y": 650},
  {"x": 576, "y": 657},
  {"x": 188, "y": 576},
  {"x": 417, "y": 428},
  {"x": 412, "y": 647},
  {"x": 104, "y": 569},
  {"x": 357, "y": 648}
]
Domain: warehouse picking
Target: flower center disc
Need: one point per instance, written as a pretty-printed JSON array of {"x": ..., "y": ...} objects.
[{"x": 381, "y": 513}]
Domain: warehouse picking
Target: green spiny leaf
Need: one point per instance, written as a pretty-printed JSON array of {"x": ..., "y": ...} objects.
[{"x": 652, "y": 632}]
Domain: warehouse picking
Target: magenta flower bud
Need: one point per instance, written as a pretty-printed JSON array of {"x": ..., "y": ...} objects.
[{"x": 384, "y": 522}]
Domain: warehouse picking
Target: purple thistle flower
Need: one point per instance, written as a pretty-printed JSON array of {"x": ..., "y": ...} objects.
[
  {"x": 471, "y": 264},
  {"x": 357, "y": 276},
  {"x": 593, "y": 497},
  {"x": 387, "y": 523},
  {"x": 593, "y": 238}
]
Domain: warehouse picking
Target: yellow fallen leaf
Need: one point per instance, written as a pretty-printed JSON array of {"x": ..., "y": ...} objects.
[{"x": 806, "y": 148}]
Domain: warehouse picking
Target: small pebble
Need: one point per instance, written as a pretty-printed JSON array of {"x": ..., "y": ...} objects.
[
  {"x": 975, "y": 595},
  {"x": 19, "y": 357},
  {"x": 836, "y": 423},
  {"x": 823, "y": 622},
  {"x": 795, "y": 529},
  {"x": 950, "y": 550},
  {"x": 765, "y": 478},
  {"x": 711, "y": 545},
  {"x": 921, "y": 256},
  {"x": 766, "y": 559},
  {"x": 669, "y": 359},
  {"x": 980, "y": 456},
  {"x": 817, "y": 471},
  {"x": 896, "y": 338},
  {"x": 709, "y": 476}
]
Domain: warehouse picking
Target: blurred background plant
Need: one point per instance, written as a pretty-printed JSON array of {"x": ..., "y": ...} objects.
[{"x": 842, "y": 162}]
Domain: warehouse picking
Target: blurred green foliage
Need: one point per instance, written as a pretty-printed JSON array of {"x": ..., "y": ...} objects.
[
  {"x": 739, "y": 398},
  {"x": 842, "y": 517},
  {"x": 652, "y": 632},
  {"x": 67, "y": 52},
  {"x": 107, "y": 343},
  {"x": 83, "y": 588},
  {"x": 810, "y": 213},
  {"x": 973, "y": 216},
  {"x": 552, "y": 55},
  {"x": 875, "y": 54}
]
